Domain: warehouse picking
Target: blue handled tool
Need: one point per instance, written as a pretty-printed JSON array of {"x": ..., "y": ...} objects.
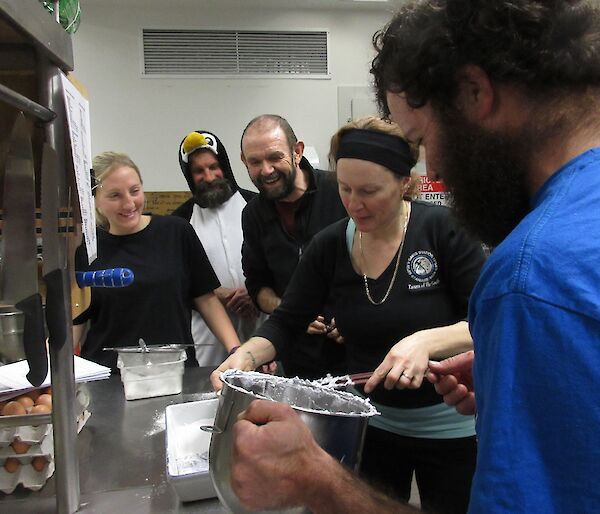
[{"x": 115, "y": 277}]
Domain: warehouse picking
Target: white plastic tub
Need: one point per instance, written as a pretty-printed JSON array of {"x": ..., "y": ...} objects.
[
  {"x": 187, "y": 448},
  {"x": 154, "y": 374}
]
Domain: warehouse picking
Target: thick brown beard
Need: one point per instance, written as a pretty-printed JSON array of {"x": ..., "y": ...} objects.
[
  {"x": 288, "y": 185},
  {"x": 213, "y": 194},
  {"x": 486, "y": 174}
]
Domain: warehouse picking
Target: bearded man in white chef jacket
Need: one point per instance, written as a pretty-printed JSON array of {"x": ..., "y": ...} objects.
[{"x": 215, "y": 211}]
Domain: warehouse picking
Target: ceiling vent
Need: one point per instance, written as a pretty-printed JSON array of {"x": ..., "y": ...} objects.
[{"x": 217, "y": 53}]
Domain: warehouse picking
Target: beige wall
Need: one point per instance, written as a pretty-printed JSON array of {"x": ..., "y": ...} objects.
[{"x": 148, "y": 117}]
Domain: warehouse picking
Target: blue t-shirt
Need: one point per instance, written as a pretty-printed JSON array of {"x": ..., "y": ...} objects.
[{"x": 535, "y": 320}]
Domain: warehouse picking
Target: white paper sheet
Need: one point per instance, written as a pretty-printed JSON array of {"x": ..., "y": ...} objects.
[
  {"x": 78, "y": 118},
  {"x": 13, "y": 377}
]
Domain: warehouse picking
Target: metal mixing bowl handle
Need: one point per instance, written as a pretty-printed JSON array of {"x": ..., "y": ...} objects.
[
  {"x": 211, "y": 428},
  {"x": 221, "y": 418}
]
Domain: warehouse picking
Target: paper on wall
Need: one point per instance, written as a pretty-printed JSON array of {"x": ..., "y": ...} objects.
[{"x": 78, "y": 120}]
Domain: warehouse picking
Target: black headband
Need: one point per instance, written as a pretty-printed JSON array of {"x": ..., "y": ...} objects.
[{"x": 392, "y": 152}]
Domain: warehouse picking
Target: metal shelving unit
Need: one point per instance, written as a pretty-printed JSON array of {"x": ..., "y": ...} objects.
[{"x": 34, "y": 49}]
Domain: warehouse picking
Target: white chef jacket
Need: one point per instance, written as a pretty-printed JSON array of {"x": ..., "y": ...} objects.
[{"x": 220, "y": 231}]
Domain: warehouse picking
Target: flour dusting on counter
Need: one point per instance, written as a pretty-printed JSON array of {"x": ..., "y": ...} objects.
[{"x": 158, "y": 424}]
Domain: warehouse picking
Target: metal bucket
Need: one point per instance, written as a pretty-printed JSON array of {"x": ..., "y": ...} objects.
[
  {"x": 11, "y": 336},
  {"x": 337, "y": 420}
]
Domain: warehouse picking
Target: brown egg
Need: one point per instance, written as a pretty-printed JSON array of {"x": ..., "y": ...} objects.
[
  {"x": 13, "y": 409},
  {"x": 20, "y": 447},
  {"x": 44, "y": 399},
  {"x": 40, "y": 409},
  {"x": 39, "y": 463},
  {"x": 34, "y": 394},
  {"x": 25, "y": 401},
  {"x": 11, "y": 465}
]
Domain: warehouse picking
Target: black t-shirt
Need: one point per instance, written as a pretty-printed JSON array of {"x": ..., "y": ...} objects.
[
  {"x": 170, "y": 268},
  {"x": 438, "y": 267}
]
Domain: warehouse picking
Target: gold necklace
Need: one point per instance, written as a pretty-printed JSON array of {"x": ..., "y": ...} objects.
[{"x": 389, "y": 289}]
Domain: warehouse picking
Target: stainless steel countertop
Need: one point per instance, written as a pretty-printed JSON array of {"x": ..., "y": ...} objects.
[{"x": 122, "y": 456}]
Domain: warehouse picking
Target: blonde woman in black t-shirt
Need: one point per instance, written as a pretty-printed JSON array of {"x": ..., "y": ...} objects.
[{"x": 171, "y": 271}]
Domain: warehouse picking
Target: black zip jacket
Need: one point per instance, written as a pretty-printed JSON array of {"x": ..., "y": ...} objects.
[{"x": 270, "y": 256}]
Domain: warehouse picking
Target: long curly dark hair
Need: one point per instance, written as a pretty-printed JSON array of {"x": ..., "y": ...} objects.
[{"x": 544, "y": 46}]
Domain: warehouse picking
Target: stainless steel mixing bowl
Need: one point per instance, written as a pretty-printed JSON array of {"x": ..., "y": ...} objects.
[{"x": 337, "y": 420}]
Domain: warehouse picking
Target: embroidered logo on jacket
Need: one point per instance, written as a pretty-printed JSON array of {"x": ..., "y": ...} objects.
[{"x": 422, "y": 267}]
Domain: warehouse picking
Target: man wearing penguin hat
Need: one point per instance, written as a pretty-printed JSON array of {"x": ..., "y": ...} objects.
[{"x": 215, "y": 211}]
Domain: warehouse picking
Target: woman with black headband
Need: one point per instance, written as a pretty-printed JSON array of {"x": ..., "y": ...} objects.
[{"x": 397, "y": 275}]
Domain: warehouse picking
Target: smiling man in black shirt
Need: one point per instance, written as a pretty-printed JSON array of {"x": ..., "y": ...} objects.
[{"x": 295, "y": 201}]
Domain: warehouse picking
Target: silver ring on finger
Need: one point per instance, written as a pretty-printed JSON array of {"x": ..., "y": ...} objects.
[{"x": 406, "y": 376}]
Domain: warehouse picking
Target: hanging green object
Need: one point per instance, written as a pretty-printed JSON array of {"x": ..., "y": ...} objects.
[{"x": 69, "y": 13}]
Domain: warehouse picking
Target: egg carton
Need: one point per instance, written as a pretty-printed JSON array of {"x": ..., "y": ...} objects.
[
  {"x": 26, "y": 476},
  {"x": 44, "y": 448},
  {"x": 26, "y": 433},
  {"x": 33, "y": 428}
]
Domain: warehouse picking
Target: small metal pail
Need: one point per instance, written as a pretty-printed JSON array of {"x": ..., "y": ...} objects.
[
  {"x": 337, "y": 420},
  {"x": 11, "y": 335}
]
